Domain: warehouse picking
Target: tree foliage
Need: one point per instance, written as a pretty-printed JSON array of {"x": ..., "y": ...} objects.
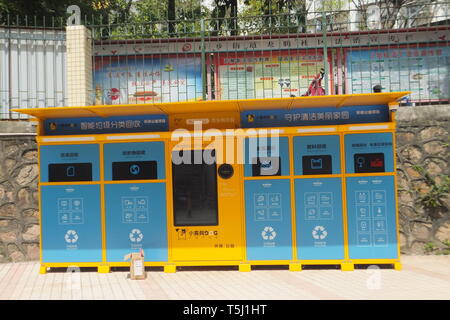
[
  {"x": 54, "y": 12},
  {"x": 182, "y": 17},
  {"x": 279, "y": 16}
]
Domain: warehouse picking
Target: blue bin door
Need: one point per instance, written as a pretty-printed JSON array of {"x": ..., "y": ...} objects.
[
  {"x": 319, "y": 222},
  {"x": 71, "y": 223},
  {"x": 268, "y": 219},
  {"x": 136, "y": 219},
  {"x": 371, "y": 211}
]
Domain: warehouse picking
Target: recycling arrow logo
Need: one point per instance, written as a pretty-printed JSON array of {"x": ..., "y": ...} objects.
[
  {"x": 71, "y": 236},
  {"x": 136, "y": 235},
  {"x": 268, "y": 233},
  {"x": 135, "y": 169},
  {"x": 319, "y": 233}
]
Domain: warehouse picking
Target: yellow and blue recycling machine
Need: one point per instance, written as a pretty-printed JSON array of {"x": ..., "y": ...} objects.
[{"x": 281, "y": 181}]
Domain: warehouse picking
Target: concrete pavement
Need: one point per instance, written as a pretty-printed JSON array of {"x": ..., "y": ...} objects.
[{"x": 422, "y": 277}]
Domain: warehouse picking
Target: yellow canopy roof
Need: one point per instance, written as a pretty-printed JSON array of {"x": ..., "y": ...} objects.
[{"x": 216, "y": 106}]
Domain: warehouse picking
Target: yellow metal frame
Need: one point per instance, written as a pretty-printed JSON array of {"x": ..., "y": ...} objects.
[
  {"x": 206, "y": 107},
  {"x": 182, "y": 253},
  {"x": 192, "y": 107}
]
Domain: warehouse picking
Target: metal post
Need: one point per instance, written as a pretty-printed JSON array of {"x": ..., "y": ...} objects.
[
  {"x": 203, "y": 58},
  {"x": 325, "y": 49}
]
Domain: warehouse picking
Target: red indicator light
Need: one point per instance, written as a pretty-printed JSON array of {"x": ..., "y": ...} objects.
[{"x": 376, "y": 163}]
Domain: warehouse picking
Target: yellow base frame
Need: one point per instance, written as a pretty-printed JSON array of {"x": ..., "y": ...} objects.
[
  {"x": 171, "y": 267},
  {"x": 101, "y": 267},
  {"x": 375, "y": 261}
]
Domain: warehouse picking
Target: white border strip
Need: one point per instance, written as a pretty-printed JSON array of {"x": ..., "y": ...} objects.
[
  {"x": 317, "y": 130},
  {"x": 138, "y": 136},
  {"x": 233, "y": 132},
  {"x": 374, "y": 127},
  {"x": 68, "y": 139}
]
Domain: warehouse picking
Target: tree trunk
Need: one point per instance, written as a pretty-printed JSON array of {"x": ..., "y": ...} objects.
[{"x": 171, "y": 16}]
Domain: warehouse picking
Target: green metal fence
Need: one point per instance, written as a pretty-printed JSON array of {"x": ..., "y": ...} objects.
[{"x": 199, "y": 53}]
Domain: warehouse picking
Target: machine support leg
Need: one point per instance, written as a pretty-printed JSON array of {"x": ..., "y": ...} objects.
[
  {"x": 295, "y": 267},
  {"x": 42, "y": 270},
  {"x": 245, "y": 267},
  {"x": 170, "y": 268},
  {"x": 398, "y": 266},
  {"x": 103, "y": 269},
  {"x": 347, "y": 266}
]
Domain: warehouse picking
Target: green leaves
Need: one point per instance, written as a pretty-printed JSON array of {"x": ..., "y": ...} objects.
[{"x": 434, "y": 198}]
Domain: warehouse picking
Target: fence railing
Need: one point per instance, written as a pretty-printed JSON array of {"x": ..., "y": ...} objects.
[{"x": 236, "y": 56}]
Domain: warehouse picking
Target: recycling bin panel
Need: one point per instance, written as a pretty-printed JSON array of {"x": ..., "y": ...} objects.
[
  {"x": 134, "y": 161},
  {"x": 315, "y": 155},
  {"x": 369, "y": 153},
  {"x": 266, "y": 157},
  {"x": 319, "y": 224},
  {"x": 136, "y": 219},
  {"x": 69, "y": 163},
  {"x": 268, "y": 219},
  {"x": 71, "y": 223},
  {"x": 371, "y": 211}
]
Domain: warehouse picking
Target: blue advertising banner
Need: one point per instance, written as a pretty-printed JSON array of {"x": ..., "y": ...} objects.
[
  {"x": 99, "y": 125},
  {"x": 320, "y": 233},
  {"x": 268, "y": 219},
  {"x": 317, "y": 155},
  {"x": 146, "y": 79},
  {"x": 71, "y": 225},
  {"x": 371, "y": 214},
  {"x": 135, "y": 220},
  {"x": 314, "y": 116}
]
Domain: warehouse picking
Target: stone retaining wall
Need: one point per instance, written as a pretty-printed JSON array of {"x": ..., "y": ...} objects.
[
  {"x": 423, "y": 142},
  {"x": 422, "y": 151},
  {"x": 19, "y": 214}
]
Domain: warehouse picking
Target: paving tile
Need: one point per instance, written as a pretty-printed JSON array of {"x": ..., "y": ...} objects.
[
  {"x": 23, "y": 280},
  {"x": 423, "y": 277},
  {"x": 10, "y": 280}
]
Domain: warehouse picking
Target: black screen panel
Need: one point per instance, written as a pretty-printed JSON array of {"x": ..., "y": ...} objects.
[
  {"x": 134, "y": 170},
  {"x": 369, "y": 162},
  {"x": 195, "y": 192},
  {"x": 62, "y": 172},
  {"x": 266, "y": 166},
  {"x": 319, "y": 164}
]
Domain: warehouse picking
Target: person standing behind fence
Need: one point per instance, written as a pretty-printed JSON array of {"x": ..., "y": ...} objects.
[
  {"x": 377, "y": 88},
  {"x": 315, "y": 88}
]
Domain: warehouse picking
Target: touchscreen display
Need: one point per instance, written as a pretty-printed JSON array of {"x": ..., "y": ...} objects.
[
  {"x": 369, "y": 162},
  {"x": 319, "y": 164},
  {"x": 60, "y": 172},
  {"x": 134, "y": 170}
]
